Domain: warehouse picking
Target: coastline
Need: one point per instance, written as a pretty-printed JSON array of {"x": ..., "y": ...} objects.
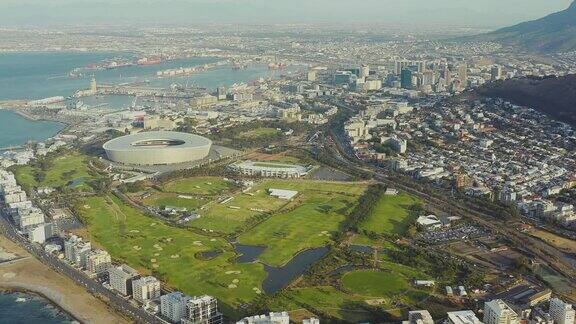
[
  {"x": 27, "y": 274},
  {"x": 25, "y": 115},
  {"x": 4, "y": 290}
]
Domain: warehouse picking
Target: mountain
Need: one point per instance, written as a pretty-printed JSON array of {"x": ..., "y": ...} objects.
[
  {"x": 554, "y": 96},
  {"x": 553, "y": 33}
]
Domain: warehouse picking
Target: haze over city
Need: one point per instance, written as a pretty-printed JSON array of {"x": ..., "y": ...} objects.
[{"x": 415, "y": 13}]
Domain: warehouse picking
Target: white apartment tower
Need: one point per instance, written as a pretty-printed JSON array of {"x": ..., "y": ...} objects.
[
  {"x": 173, "y": 306},
  {"x": 498, "y": 312},
  {"x": 562, "y": 312},
  {"x": 121, "y": 277},
  {"x": 202, "y": 309},
  {"x": 146, "y": 288}
]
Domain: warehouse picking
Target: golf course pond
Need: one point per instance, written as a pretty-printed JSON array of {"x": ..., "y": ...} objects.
[{"x": 280, "y": 277}]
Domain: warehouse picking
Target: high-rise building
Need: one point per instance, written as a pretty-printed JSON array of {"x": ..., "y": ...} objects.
[
  {"x": 561, "y": 312},
  {"x": 173, "y": 306},
  {"x": 419, "y": 317},
  {"x": 76, "y": 251},
  {"x": 121, "y": 277},
  {"x": 221, "y": 93},
  {"x": 463, "y": 74},
  {"x": 312, "y": 75},
  {"x": 98, "y": 262},
  {"x": 427, "y": 78},
  {"x": 344, "y": 78},
  {"x": 406, "y": 79},
  {"x": 462, "y": 317},
  {"x": 498, "y": 312},
  {"x": 202, "y": 309},
  {"x": 146, "y": 288},
  {"x": 93, "y": 85},
  {"x": 496, "y": 73},
  {"x": 272, "y": 318},
  {"x": 364, "y": 71},
  {"x": 400, "y": 65}
]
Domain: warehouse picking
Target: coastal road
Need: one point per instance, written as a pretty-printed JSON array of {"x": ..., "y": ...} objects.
[{"x": 95, "y": 288}]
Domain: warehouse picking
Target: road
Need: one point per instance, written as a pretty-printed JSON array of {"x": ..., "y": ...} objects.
[
  {"x": 95, "y": 288},
  {"x": 339, "y": 148}
]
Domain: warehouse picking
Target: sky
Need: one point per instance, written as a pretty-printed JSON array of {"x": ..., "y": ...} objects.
[{"x": 474, "y": 13}]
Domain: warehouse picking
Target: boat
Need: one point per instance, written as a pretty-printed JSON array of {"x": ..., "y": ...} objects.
[
  {"x": 21, "y": 300},
  {"x": 149, "y": 61}
]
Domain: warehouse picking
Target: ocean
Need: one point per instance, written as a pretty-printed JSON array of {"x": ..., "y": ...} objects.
[
  {"x": 45, "y": 74},
  {"x": 34, "y": 310},
  {"x": 38, "y": 75},
  {"x": 16, "y": 130}
]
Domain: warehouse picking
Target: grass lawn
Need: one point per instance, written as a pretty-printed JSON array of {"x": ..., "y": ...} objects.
[
  {"x": 198, "y": 186},
  {"x": 328, "y": 299},
  {"x": 307, "y": 223},
  {"x": 229, "y": 216},
  {"x": 64, "y": 169},
  {"x": 375, "y": 283},
  {"x": 391, "y": 215},
  {"x": 169, "y": 252},
  {"x": 160, "y": 199},
  {"x": 259, "y": 133}
]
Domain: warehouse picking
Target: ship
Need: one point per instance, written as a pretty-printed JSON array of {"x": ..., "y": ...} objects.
[{"x": 149, "y": 61}]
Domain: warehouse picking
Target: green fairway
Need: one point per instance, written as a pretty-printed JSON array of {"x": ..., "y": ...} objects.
[
  {"x": 374, "y": 283},
  {"x": 71, "y": 168},
  {"x": 199, "y": 186},
  {"x": 170, "y": 252},
  {"x": 328, "y": 299},
  {"x": 160, "y": 199},
  {"x": 391, "y": 215},
  {"x": 259, "y": 133},
  {"x": 231, "y": 215},
  {"x": 228, "y": 216},
  {"x": 308, "y": 222}
]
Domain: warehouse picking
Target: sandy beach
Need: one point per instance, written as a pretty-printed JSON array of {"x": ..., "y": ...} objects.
[{"x": 28, "y": 274}]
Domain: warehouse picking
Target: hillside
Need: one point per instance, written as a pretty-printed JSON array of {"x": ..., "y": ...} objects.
[
  {"x": 553, "y": 33},
  {"x": 554, "y": 96}
]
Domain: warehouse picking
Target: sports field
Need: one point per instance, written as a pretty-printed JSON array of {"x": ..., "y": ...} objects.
[
  {"x": 391, "y": 215},
  {"x": 71, "y": 168},
  {"x": 147, "y": 243}
]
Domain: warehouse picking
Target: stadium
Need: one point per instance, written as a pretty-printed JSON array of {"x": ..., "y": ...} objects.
[{"x": 157, "y": 148}]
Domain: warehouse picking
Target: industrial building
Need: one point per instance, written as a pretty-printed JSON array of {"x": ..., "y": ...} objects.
[{"x": 157, "y": 148}]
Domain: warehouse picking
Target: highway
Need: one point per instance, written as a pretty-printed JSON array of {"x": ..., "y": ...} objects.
[
  {"x": 115, "y": 301},
  {"x": 339, "y": 148}
]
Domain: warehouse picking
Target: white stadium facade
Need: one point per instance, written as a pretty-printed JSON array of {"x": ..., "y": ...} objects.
[{"x": 157, "y": 148}]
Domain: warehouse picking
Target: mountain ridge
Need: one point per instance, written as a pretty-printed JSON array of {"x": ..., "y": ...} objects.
[
  {"x": 553, "y": 33},
  {"x": 552, "y": 95}
]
